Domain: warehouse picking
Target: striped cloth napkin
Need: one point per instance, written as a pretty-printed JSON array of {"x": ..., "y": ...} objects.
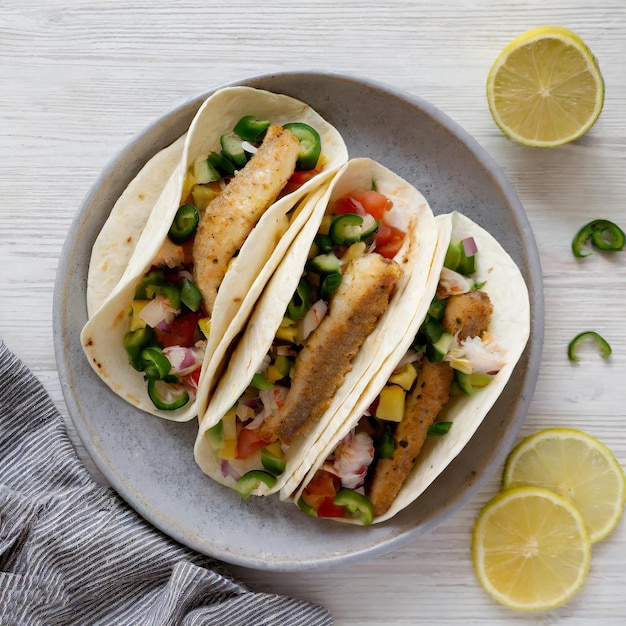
[{"x": 72, "y": 552}]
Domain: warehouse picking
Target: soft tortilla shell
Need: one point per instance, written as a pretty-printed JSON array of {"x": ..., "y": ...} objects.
[
  {"x": 415, "y": 258},
  {"x": 259, "y": 256},
  {"x": 510, "y": 328}
]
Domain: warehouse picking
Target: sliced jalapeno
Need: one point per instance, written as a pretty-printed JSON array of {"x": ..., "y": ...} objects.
[
  {"x": 350, "y": 228},
  {"x": 604, "y": 235},
  {"x": 134, "y": 342},
  {"x": 603, "y": 344},
  {"x": 250, "y": 128},
  {"x": 439, "y": 428},
  {"x": 386, "y": 445},
  {"x": 165, "y": 396},
  {"x": 252, "y": 480},
  {"x": 307, "y": 508},
  {"x": 190, "y": 295},
  {"x": 329, "y": 285},
  {"x": 324, "y": 243},
  {"x": 273, "y": 460},
  {"x": 185, "y": 223},
  {"x": 310, "y": 145},
  {"x": 154, "y": 363},
  {"x": 356, "y": 504},
  {"x": 170, "y": 292},
  {"x": 222, "y": 164},
  {"x": 155, "y": 277},
  {"x": 300, "y": 302},
  {"x": 259, "y": 382}
]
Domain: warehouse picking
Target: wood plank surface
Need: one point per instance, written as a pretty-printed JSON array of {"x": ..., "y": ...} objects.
[{"x": 79, "y": 78}]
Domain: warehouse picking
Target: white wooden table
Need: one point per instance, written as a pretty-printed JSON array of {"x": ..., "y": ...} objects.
[{"x": 79, "y": 78}]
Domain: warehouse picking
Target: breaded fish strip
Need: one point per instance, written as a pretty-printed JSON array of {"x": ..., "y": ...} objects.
[
  {"x": 232, "y": 215},
  {"x": 468, "y": 314},
  {"x": 357, "y": 305},
  {"x": 422, "y": 406}
]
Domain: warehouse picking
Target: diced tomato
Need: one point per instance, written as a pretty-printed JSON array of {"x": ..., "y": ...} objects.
[
  {"x": 182, "y": 331},
  {"x": 362, "y": 202},
  {"x": 323, "y": 486},
  {"x": 388, "y": 240},
  {"x": 248, "y": 442},
  {"x": 328, "y": 508},
  {"x": 373, "y": 202},
  {"x": 298, "y": 179}
]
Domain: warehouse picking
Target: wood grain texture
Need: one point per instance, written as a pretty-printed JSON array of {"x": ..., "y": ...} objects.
[{"x": 79, "y": 78}]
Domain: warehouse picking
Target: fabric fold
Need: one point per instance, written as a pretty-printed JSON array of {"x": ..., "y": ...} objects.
[{"x": 72, "y": 551}]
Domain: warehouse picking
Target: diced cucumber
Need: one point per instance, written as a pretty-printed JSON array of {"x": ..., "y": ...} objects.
[
  {"x": 325, "y": 264},
  {"x": 205, "y": 172},
  {"x": 232, "y": 149},
  {"x": 438, "y": 350}
]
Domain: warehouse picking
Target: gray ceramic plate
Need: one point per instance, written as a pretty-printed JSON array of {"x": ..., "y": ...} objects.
[{"x": 149, "y": 461}]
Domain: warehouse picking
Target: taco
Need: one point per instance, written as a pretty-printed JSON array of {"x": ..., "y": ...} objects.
[
  {"x": 368, "y": 246},
  {"x": 423, "y": 404},
  {"x": 236, "y": 198}
]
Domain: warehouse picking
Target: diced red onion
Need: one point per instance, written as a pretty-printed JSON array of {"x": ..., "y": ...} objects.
[
  {"x": 469, "y": 246},
  {"x": 157, "y": 311},
  {"x": 229, "y": 470}
]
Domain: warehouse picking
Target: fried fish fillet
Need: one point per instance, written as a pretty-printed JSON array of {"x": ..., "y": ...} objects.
[
  {"x": 467, "y": 314},
  {"x": 357, "y": 305},
  {"x": 232, "y": 215},
  {"x": 422, "y": 406}
]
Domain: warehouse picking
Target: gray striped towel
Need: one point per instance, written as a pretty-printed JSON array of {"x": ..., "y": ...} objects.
[{"x": 72, "y": 552}]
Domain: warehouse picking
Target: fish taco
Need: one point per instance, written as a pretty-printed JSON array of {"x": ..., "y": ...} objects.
[
  {"x": 238, "y": 194},
  {"x": 424, "y": 403},
  {"x": 368, "y": 246}
]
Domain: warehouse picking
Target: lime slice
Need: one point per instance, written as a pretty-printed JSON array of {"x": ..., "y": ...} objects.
[
  {"x": 577, "y": 467},
  {"x": 530, "y": 548},
  {"x": 545, "y": 88}
]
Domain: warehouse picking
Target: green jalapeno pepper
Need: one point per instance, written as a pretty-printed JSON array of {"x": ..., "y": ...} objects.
[
  {"x": 250, "y": 128},
  {"x": 185, "y": 223},
  {"x": 164, "y": 397},
  {"x": 439, "y": 428},
  {"x": 603, "y": 344},
  {"x": 252, "y": 480},
  {"x": 190, "y": 295},
  {"x": 604, "y": 235},
  {"x": 154, "y": 363},
  {"x": 134, "y": 342},
  {"x": 329, "y": 285},
  {"x": 356, "y": 504},
  {"x": 300, "y": 302},
  {"x": 310, "y": 145},
  {"x": 350, "y": 228},
  {"x": 272, "y": 463}
]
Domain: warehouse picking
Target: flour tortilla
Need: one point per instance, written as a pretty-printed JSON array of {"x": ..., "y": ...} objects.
[
  {"x": 415, "y": 257},
  {"x": 510, "y": 328},
  {"x": 102, "y": 336}
]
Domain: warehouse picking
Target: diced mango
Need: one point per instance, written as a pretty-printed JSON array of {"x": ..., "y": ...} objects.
[
  {"x": 229, "y": 423},
  {"x": 203, "y": 195},
  {"x": 405, "y": 376},
  {"x": 205, "y": 326},
  {"x": 391, "y": 403},
  {"x": 355, "y": 251},
  {"x": 136, "y": 307}
]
